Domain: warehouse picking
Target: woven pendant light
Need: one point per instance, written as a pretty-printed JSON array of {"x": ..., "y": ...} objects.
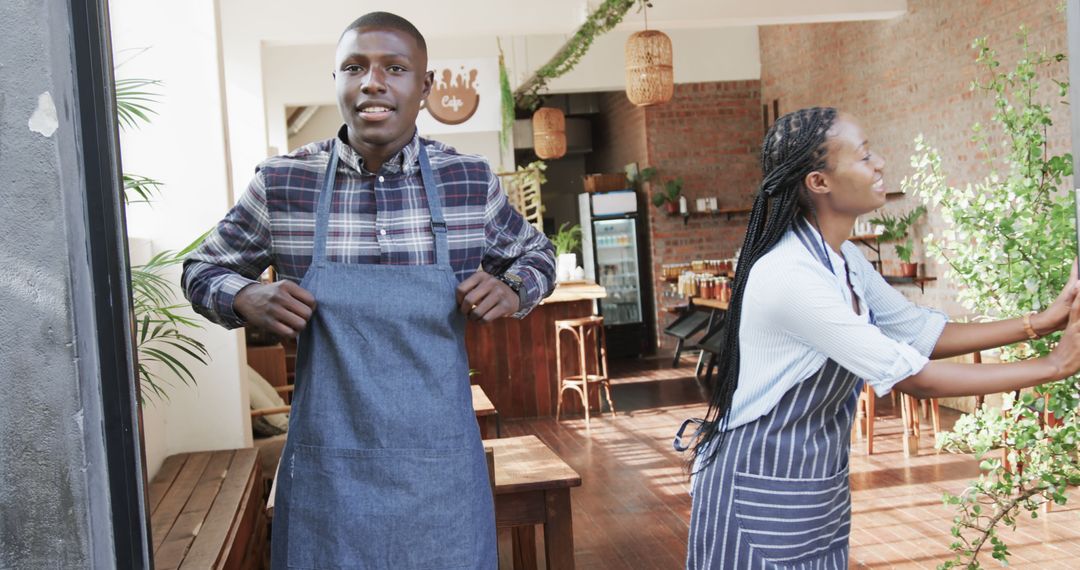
[
  {"x": 549, "y": 133},
  {"x": 650, "y": 77}
]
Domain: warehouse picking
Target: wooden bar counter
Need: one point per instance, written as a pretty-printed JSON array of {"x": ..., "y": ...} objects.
[{"x": 514, "y": 360}]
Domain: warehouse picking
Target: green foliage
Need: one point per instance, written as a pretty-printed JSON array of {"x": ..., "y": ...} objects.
[
  {"x": 1009, "y": 243},
  {"x": 507, "y": 97},
  {"x": 671, "y": 192},
  {"x": 604, "y": 18},
  {"x": 159, "y": 336},
  {"x": 896, "y": 228},
  {"x": 134, "y": 98},
  {"x": 567, "y": 239},
  {"x": 638, "y": 180}
]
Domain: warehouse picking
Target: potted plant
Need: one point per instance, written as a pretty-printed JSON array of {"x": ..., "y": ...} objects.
[
  {"x": 896, "y": 229},
  {"x": 566, "y": 241},
  {"x": 668, "y": 198}
]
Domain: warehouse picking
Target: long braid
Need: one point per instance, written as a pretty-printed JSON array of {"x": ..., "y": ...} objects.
[{"x": 793, "y": 147}]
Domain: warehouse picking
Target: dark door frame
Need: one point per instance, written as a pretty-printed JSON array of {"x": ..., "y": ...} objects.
[{"x": 99, "y": 153}]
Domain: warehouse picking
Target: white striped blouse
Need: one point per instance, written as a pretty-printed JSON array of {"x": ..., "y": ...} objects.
[{"x": 796, "y": 314}]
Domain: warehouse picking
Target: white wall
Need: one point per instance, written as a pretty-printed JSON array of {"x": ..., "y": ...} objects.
[
  {"x": 323, "y": 124},
  {"x": 184, "y": 146}
]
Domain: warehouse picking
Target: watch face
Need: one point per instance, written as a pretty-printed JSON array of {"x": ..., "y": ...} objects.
[{"x": 512, "y": 280}]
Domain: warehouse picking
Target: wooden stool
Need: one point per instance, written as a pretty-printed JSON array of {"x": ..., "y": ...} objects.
[{"x": 588, "y": 332}]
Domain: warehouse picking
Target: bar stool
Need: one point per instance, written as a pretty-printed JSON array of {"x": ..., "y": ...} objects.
[{"x": 588, "y": 333}]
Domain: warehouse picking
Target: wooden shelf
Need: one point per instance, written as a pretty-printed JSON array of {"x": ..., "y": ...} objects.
[
  {"x": 728, "y": 212},
  {"x": 920, "y": 282}
]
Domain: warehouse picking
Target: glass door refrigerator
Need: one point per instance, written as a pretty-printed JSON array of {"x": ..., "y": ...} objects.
[{"x": 613, "y": 246}]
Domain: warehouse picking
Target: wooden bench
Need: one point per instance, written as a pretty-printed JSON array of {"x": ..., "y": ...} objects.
[
  {"x": 206, "y": 511},
  {"x": 486, "y": 414},
  {"x": 532, "y": 486}
]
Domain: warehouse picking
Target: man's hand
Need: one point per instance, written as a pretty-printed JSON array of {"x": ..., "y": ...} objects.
[
  {"x": 484, "y": 298},
  {"x": 282, "y": 308}
]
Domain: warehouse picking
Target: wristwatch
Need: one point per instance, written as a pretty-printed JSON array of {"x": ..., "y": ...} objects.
[{"x": 514, "y": 282}]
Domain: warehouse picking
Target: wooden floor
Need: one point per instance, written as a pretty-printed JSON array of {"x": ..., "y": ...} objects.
[{"x": 633, "y": 508}]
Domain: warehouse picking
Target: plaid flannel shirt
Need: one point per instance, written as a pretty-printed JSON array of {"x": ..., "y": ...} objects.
[{"x": 377, "y": 218}]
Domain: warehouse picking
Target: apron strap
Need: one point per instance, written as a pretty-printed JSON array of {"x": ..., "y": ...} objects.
[
  {"x": 438, "y": 223},
  {"x": 678, "y": 444},
  {"x": 322, "y": 215}
]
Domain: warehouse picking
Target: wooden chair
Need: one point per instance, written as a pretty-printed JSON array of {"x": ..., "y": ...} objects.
[{"x": 588, "y": 336}]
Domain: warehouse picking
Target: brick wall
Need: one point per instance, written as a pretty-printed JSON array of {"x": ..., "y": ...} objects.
[
  {"x": 909, "y": 75},
  {"x": 709, "y": 135}
]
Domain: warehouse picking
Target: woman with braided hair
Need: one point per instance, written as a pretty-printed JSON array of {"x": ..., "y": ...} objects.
[{"x": 809, "y": 321}]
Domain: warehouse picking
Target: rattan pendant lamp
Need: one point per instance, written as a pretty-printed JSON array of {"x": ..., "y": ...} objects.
[
  {"x": 549, "y": 133},
  {"x": 650, "y": 78}
]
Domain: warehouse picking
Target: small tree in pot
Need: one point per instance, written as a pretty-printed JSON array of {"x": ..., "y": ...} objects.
[
  {"x": 896, "y": 229},
  {"x": 668, "y": 198}
]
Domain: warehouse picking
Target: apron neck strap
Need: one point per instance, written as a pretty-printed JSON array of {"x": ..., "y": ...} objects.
[
  {"x": 431, "y": 190},
  {"x": 322, "y": 215},
  {"x": 438, "y": 223}
]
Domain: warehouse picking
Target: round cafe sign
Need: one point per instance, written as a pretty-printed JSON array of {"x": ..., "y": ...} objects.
[{"x": 454, "y": 97}]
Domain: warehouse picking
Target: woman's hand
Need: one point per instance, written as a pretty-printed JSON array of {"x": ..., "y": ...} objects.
[
  {"x": 1055, "y": 317},
  {"x": 1066, "y": 355}
]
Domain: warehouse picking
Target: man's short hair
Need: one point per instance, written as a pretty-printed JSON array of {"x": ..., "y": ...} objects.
[{"x": 387, "y": 21}]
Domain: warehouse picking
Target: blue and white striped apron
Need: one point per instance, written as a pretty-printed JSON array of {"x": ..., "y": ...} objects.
[{"x": 777, "y": 495}]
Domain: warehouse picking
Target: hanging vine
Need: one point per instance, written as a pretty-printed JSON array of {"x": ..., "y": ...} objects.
[
  {"x": 507, "y": 100},
  {"x": 603, "y": 19}
]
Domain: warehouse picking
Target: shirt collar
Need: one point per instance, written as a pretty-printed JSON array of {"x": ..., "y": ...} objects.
[{"x": 406, "y": 160}]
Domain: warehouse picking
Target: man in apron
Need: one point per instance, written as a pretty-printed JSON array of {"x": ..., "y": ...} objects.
[{"x": 377, "y": 235}]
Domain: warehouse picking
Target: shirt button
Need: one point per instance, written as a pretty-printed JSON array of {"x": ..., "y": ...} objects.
[
  {"x": 382, "y": 232},
  {"x": 381, "y": 179}
]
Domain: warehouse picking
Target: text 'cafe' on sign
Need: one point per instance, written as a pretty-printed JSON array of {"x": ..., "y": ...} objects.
[{"x": 464, "y": 97}]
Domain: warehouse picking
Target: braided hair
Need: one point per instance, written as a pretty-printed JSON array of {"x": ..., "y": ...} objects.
[{"x": 793, "y": 148}]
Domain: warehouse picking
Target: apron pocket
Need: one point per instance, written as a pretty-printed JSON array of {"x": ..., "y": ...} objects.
[
  {"x": 384, "y": 508},
  {"x": 792, "y": 521}
]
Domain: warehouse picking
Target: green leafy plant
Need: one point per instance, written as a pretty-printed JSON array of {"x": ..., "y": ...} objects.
[
  {"x": 507, "y": 100},
  {"x": 606, "y": 16},
  {"x": 670, "y": 194},
  {"x": 638, "y": 178},
  {"x": 158, "y": 325},
  {"x": 567, "y": 239},
  {"x": 896, "y": 229},
  {"x": 1008, "y": 244},
  {"x": 159, "y": 336}
]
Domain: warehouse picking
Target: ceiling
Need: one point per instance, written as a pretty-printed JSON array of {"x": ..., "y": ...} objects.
[{"x": 279, "y": 22}]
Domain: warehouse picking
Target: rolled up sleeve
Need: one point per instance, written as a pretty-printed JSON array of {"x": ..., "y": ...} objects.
[
  {"x": 815, "y": 312},
  {"x": 515, "y": 246}
]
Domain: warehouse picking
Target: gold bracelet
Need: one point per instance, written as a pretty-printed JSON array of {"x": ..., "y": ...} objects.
[{"x": 1027, "y": 327}]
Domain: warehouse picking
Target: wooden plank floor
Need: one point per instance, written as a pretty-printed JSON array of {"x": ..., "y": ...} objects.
[{"x": 633, "y": 508}]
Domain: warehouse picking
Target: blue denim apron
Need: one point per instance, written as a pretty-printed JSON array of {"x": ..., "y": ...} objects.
[
  {"x": 383, "y": 468},
  {"x": 777, "y": 495}
]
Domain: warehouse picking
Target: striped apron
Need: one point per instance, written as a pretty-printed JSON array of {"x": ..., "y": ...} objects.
[{"x": 777, "y": 495}]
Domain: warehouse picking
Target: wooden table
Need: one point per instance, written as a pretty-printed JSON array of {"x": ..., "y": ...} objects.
[
  {"x": 486, "y": 414},
  {"x": 532, "y": 486},
  {"x": 206, "y": 511}
]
